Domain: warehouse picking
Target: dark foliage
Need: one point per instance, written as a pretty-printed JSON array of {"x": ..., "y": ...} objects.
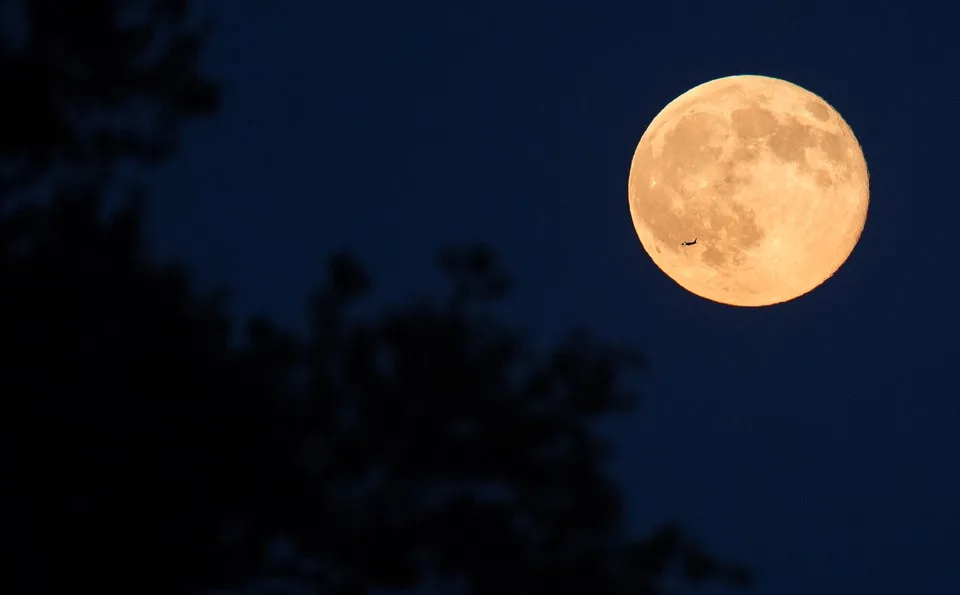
[
  {"x": 145, "y": 454},
  {"x": 146, "y": 451},
  {"x": 88, "y": 83}
]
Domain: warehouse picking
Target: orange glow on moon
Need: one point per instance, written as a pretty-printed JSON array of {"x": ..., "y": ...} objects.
[{"x": 768, "y": 179}]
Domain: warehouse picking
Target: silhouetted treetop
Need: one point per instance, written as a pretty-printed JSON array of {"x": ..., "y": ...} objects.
[
  {"x": 147, "y": 450},
  {"x": 131, "y": 430},
  {"x": 449, "y": 451},
  {"x": 427, "y": 446},
  {"x": 88, "y": 83}
]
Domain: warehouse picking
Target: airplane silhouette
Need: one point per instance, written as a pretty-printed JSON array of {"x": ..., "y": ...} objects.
[{"x": 689, "y": 243}]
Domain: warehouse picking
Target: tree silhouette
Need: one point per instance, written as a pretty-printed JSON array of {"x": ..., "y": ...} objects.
[
  {"x": 464, "y": 457},
  {"x": 86, "y": 84},
  {"x": 147, "y": 450},
  {"x": 425, "y": 446}
]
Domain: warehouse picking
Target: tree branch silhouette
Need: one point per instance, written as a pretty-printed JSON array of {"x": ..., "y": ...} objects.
[
  {"x": 148, "y": 450},
  {"x": 88, "y": 84}
]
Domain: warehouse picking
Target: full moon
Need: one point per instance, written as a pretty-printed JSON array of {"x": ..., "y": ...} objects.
[{"x": 748, "y": 190}]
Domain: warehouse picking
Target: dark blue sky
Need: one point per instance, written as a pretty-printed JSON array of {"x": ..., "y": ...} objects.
[{"x": 815, "y": 441}]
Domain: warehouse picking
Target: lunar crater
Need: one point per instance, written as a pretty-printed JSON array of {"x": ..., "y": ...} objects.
[{"x": 817, "y": 110}]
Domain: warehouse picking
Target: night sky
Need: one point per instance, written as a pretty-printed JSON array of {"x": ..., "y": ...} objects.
[{"x": 815, "y": 441}]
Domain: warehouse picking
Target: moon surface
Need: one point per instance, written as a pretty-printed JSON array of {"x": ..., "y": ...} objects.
[{"x": 765, "y": 175}]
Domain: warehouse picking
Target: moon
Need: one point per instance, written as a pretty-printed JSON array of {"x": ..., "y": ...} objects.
[{"x": 768, "y": 179}]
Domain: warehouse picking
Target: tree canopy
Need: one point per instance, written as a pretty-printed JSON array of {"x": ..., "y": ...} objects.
[
  {"x": 147, "y": 451},
  {"x": 88, "y": 84}
]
